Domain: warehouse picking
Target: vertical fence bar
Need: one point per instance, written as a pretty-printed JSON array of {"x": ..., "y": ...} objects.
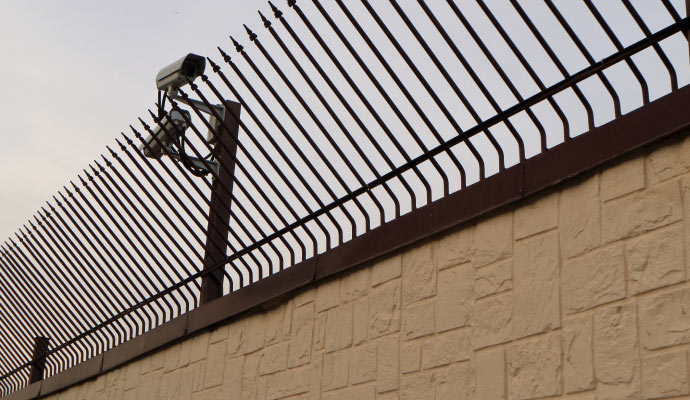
[
  {"x": 221, "y": 194},
  {"x": 38, "y": 360}
]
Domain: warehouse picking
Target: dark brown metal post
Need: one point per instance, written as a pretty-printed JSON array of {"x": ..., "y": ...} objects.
[
  {"x": 219, "y": 216},
  {"x": 38, "y": 360}
]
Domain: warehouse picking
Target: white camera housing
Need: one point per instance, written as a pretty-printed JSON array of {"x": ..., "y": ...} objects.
[
  {"x": 173, "y": 124},
  {"x": 180, "y": 72}
]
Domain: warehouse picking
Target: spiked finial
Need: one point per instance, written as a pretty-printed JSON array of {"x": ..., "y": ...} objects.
[
  {"x": 238, "y": 46},
  {"x": 155, "y": 119},
  {"x": 112, "y": 153},
  {"x": 47, "y": 214},
  {"x": 225, "y": 55},
  {"x": 127, "y": 139},
  {"x": 252, "y": 35},
  {"x": 31, "y": 223},
  {"x": 38, "y": 221},
  {"x": 62, "y": 195},
  {"x": 94, "y": 170},
  {"x": 107, "y": 162},
  {"x": 99, "y": 166},
  {"x": 144, "y": 124},
  {"x": 215, "y": 66},
  {"x": 276, "y": 12},
  {"x": 266, "y": 22}
]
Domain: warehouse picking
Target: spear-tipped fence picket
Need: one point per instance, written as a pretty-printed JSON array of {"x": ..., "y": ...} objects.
[{"x": 352, "y": 114}]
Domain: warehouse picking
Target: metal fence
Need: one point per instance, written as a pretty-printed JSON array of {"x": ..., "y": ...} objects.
[{"x": 352, "y": 114}]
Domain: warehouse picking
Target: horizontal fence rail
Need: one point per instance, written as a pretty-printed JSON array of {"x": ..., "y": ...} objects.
[{"x": 351, "y": 115}]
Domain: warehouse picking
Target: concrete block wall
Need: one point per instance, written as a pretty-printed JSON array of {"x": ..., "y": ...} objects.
[{"x": 580, "y": 293}]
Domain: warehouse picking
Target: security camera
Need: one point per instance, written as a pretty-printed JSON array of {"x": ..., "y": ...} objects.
[
  {"x": 180, "y": 72},
  {"x": 170, "y": 127}
]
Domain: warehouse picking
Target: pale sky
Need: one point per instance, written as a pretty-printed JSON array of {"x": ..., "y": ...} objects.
[{"x": 77, "y": 72}]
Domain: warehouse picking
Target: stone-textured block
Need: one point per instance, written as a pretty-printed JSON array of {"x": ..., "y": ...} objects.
[
  {"x": 419, "y": 273},
  {"x": 132, "y": 375},
  {"x": 535, "y": 285},
  {"x": 579, "y": 217},
  {"x": 354, "y": 285},
  {"x": 335, "y": 370},
  {"x": 388, "y": 364},
  {"x": 360, "y": 324},
  {"x": 536, "y": 216},
  {"x": 671, "y": 158},
  {"x": 655, "y": 259},
  {"x": 387, "y": 269},
  {"x": 446, "y": 348},
  {"x": 256, "y": 332},
  {"x": 365, "y": 392},
  {"x": 250, "y": 374},
  {"x": 363, "y": 364},
  {"x": 157, "y": 360},
  {"x": 172, "y": 357},
  {"x": 384, "y": 309},
  {"x": 302, "y": 331},
  {"x": 304, "y": 296},
  {"x": 455, "y": 297},
  {"x": 149, "y": 386},
  {"x": 339, "y": 328},
  {"x": 236, "y": 337},
  {"x": 622, "y": 178},
  {"x": 419, "y": 320},
  {"x": 665, "y": 320},
  {"x": 665, "y": 375},
  {"x": 288, "y": 383},
  {"x": 316, "y": 367},
  {"x": 411, "y": 357},
  {"x": 278, "y": 322},
  {"x": 213, "y": 376},
  {"x": 218, "y": 334},
  {"x": 534, "y": 368},
  {"x": 232, "y": 378},
  {"x": 455, "y": 382},
  {"x": 494, "y": 278},
  {"x": 456, "y": 248},
  {"x": 593, "y": 279},
  {"x": 274, "y": 358},
  {"x": 493, "y": 320},
  {"x": 199, "y": 347},
  {"x": 578, "y": 371},
  {"x": 490, "y": 375},
  {"x": 185, "y": 353},
  {"x": 641, "y": 212},
  {"x": 418, "y": 386},
  {"x": 327, "y": 294},
  {"x": 320, "y": 331},
  {"x": 493, "y": 239},
  {"x": 616, "y": 353}
]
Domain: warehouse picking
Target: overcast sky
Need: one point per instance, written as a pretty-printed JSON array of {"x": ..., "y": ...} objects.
[{"x": 77, "y": 72}]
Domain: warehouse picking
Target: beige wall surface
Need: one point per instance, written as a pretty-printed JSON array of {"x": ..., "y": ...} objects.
[{"x": 580, "y": 293}]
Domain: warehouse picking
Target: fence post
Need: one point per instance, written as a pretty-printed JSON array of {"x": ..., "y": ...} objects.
[
  {"x": 219, "y": 213},
  {"x": 38, "y": 360}
]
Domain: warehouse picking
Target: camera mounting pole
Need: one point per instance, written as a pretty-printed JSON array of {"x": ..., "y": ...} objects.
[
  {"x": 219, "y": 213},
  {"x": 38, "y": 360}
]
